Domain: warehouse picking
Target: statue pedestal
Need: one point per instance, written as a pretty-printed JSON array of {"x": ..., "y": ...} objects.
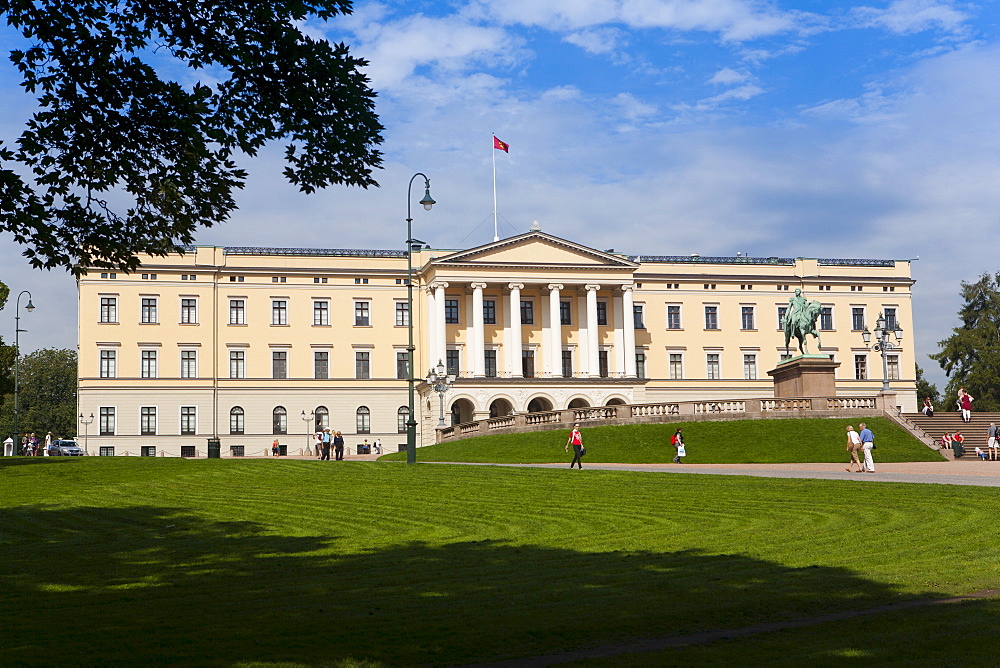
[{"x": 805, "y": 376}]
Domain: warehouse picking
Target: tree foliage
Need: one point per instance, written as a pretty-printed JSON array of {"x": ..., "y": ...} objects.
[
  {"x": 7, "y": 353},
  {"x": 118, "y": 160},
  {"x": 46, "y": 396},
  {"x": 971, "y": 355},
  {"x": 925, "y": 388}
]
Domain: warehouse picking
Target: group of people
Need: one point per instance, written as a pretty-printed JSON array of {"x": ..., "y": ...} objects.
[
  {"x": 31, "y": 446},
  {"x": 956, "y": 442},
  {"x": 326, "y": 439},
  {"x": 963, "y": 401},
  {"x": 863, "y": 442}
]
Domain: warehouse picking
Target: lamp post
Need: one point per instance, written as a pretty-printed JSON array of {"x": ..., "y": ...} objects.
[
  {"x": 306, "y": 419},
  {"x": 17, "y": 356},
  {"x": 883, "y": 344},
  {"x": 440, "y": 382},
  {"x": 411, "y": 420},
  {"x": 85, "y": 421}
]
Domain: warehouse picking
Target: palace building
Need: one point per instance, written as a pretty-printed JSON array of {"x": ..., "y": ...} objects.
[{"x": 249, "y": 345}]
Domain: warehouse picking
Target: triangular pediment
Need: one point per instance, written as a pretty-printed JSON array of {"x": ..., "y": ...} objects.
[{"x": 535, "y": 248}]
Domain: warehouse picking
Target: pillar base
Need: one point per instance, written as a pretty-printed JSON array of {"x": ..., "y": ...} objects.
[{"x": 805, "y": 376}]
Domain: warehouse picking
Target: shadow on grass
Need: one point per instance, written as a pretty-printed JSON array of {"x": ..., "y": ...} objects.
[
  {"x": 21, "y": 461},
  {"x": 143, "y": 585}
]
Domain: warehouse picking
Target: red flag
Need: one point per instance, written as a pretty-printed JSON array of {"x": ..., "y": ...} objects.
[{"x": 500, "y": 145}]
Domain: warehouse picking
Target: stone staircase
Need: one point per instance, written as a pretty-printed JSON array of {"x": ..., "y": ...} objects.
[{"x": 948, "y": 423}]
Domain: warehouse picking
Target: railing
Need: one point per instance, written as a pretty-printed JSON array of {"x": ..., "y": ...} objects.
[
  {"x": 773, "y": 405},
  {"x": 709, "y": 407},
  {"x": 653, "y": 410}
]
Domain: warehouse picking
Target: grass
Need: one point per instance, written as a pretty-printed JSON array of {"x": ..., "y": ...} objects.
[
  {"x": 149, "y": 561},
  {"x": 729, "y": 442}
]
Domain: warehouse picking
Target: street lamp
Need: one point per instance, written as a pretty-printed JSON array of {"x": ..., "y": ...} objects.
[
  {"x": 86, "y": 423},
  {"x": 306, "y": 419},
  {"x": 883, "y": 344},
  {"x": 440, "y": 382},
  {"x": 411, "y": 420},
  {"x": 17, "y": 355}
]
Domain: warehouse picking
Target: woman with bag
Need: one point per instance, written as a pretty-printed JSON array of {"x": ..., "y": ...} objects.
[
  {"x": 853, "y": 445},
  {"x": 678, "y": 442},
  {"x": 576, "y": 440}
]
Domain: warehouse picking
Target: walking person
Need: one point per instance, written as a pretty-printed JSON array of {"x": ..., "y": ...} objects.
[
  {"x": 377, "y": 445},
  {"x": 867, "y": 444},
  {"x": 338, "y": 447},
  {"x": 325, "y": 440},
  {"x": 274, "y": 449},
  {"x": 965, "y": 403},
  {"x": 48, "y": 443},
  {"x": 576, "y": 440},
  {"x": 677, "y": 440},
  {"x": 853, "y": 445}
]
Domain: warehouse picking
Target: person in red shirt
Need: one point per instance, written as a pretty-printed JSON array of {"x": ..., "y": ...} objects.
[{"x": 576, "y": 440}]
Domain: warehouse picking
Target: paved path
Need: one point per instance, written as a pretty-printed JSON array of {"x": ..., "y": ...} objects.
[{"x": 965, "y": 472}]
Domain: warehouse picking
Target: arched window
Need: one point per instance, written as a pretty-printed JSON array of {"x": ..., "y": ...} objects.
[
  {"x": 279, "y": 420},
  {"x": 402, "y": 415},
  {"x": 364, "y": 420},
  {"x": 236, "y": 420},
  {"x": 322, "y": 418}
]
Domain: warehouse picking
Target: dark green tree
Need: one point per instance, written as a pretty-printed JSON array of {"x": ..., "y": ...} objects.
[
  {"x": 971, "y": 355},
  {"x": 47, "y": 394},
  {"x": 6, "y": 355},
  {"x": 926, "y": 389},
  {"x": 119, "y": 159}
]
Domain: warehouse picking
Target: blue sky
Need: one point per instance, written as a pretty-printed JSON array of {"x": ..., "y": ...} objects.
[{"x": 831, "y": 129}]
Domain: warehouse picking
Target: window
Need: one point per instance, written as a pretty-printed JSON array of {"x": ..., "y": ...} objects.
[
  {"x": 279, "y": 364},
  {"x": 490, "y": 357},
  {"x": 278, "y": 279},
  {"x": 361, "y": 281},
  {"x": 602, "y": 314},
  {"x": 674, "y": 316},
  {"x": 857, "y": 318},
  {"x": 451, "y": 362},
  {"x": 364, "y": 424},
  {"x": 189, "y": 311},
  {"x": 147, "y": 421},
  {"x": 826, "y": 318},
  {"x": 489, "y": 312},
  {"x": 234, "y": 279},
  {"x": 528, "y": 363},
  {"x": 637, "y": 316},
  {"x": 890, "y": 318},
  {"x": 106, "y": 425},
  {"x": 567, "y": 363},
  {"x": 527, "y": 313},
  {"x": 750, "y": 367},
  {"x": 236, "y": 421},
  {"x": 147, "y": 365},
  {"x": 237, "y": 364},
  {"x": 402, "y": 415},
  {"x": 402, "y": 314},
  {"x": 746, "y": 317},
  {"x": 189, "y": 364},
  {"x": 321, "y": 419},
  {"x": 279, "y": 312},
  {"x": 451, "y": 311},
  {"x": 713, "y": 371},
  {"x": 640, "y": 365},
  {"x": 362, "y": 364},
  {"x": 361, "y": 314},
  {"x": 189, "y": 420},
  {"x": 107, "y": 450},
  {"x": 711, "y": 317},
  {"x": 279, "y": 420},
  {"x": 321, "y": 313},
  {"x": 861, "y": 367},
  {"x": 782, "y": 310},
  {"x": 319, "y": 280},
  {"x": 189, "y": 277},
  {"x": 237, "y": 312},
  {"x": 402, "y": 365},
  {"x": 148, "y": 310},
  {"x": 565, "y": 313},
  {"x": 109, "y": 309},
  {"x": 602, "y": 363},
  {"x": 109, "y": 363},
  {"x": 892, "y": 365},
  {"x": 676, "y": 366},
  {"x": 321, "y": 365}
]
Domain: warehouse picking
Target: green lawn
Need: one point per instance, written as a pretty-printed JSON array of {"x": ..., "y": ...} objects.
[
  {"x": 142, "y": 561},
  {"x": 730, "y": 442}
]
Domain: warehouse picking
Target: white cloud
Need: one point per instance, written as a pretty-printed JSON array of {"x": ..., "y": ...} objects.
[
  {"x": 597, "y": 41},
  {"x": 728, "y": 77},
  {"x": 911, "y": 16}
]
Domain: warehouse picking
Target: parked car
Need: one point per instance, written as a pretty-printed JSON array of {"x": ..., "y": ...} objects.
[{"x": 65, "y": 448}]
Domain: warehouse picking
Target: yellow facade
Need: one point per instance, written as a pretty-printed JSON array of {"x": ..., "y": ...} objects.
[{"x": 217, "y": 342}]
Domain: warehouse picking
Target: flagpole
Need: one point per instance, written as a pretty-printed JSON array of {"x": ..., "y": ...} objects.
[{"x": 493, "y": 151}]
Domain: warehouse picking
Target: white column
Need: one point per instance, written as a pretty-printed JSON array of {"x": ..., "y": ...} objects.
[
  {"x": 431, "y": 340},
  {"x": 553, "y": 354},
  {"x": 478, "y": 345},
  {"x": 514, "y": 344},
  {"x": 593, "y": 334},
  {"x": 581, "y": 360},
  {"x": 629, "y": 323},
  {"x": 619, "y": 325},
  {"x": 440, "y": 329}
]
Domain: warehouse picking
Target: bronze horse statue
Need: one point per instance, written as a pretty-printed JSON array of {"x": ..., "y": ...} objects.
[{"x": 801, "y": 321}]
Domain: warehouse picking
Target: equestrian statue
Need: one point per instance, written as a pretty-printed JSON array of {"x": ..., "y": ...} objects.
[{"x": 800, "y": 319}]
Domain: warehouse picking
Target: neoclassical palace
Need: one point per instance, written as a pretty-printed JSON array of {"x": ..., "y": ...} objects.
[{"x": 249, "y": 345}]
